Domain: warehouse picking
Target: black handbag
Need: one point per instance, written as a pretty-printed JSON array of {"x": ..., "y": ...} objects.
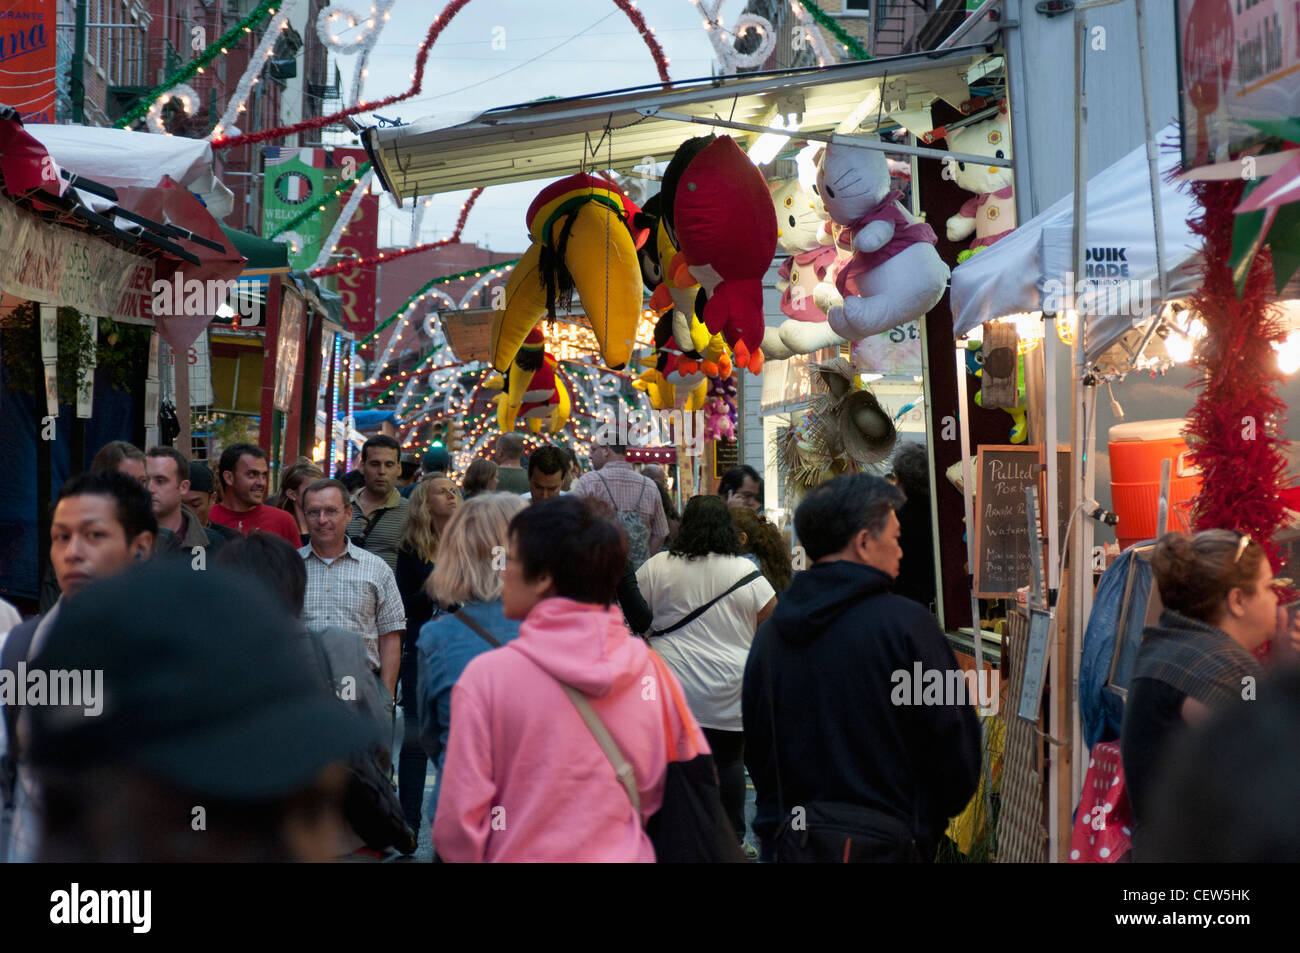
[{"x": 370, "y": 804}]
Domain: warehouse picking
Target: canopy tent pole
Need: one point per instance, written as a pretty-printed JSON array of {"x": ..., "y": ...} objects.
[{"x": 968, "y": 499}]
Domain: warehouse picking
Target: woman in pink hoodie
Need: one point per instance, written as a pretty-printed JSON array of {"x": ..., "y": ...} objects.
[{"x": 524, "y": 778}]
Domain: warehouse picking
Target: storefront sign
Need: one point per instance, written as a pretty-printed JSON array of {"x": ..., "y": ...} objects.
[
  {"x": 288, "y": 349},
  {"x": 1240, "y": 60},
  {"x": 46, "y": 263},
  {"x": 27, "y": 58}
]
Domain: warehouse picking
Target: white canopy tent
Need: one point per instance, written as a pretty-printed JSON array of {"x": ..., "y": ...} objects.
[{"x": 1016, "y": 275}]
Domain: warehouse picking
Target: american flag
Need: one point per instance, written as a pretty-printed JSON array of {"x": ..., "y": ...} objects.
[{"x": 278, "y": 155}]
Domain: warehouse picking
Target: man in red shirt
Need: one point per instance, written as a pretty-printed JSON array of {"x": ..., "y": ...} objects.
[{"x": 244, "y": 473}]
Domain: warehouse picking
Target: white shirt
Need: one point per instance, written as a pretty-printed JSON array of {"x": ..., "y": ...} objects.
[{"x": 708, "y": 655}]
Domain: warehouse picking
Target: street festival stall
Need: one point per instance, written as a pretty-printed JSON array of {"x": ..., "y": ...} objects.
[
  {"x": 1207, "y": 278},
  {"x": 82, "y": 258}
]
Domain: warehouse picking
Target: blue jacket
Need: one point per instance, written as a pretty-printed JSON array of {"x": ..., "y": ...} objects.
[
  {"x": 445, "y": 647},
  {"x": 1101, "y": 709}
]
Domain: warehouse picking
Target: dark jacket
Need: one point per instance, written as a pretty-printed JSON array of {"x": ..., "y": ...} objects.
[
  {"x": 194, "y": 535},
  {"x": 412, "y": 573},
  {"x": 822, "y": 669},
  {"x": 916, "y": 570}
]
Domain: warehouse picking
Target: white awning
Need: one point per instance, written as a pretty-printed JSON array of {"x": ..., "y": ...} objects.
[
  {"x": 1014, "y": 275},
  {"x": 557, "y": 137}
]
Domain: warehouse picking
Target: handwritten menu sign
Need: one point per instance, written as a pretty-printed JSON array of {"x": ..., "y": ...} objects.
[{"x": 1002, "y": 558}]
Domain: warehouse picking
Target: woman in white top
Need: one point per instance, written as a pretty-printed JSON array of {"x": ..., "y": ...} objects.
[{"x": 703, "y": 581}]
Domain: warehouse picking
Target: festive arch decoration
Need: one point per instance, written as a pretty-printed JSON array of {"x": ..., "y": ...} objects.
[
  {"x": 265, "y": 47},
  {"x": 417, "y": 82}
]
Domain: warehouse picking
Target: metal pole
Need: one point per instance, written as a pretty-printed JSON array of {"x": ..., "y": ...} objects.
[
  {"x": 1153, "y": 170},
  {"x": 968, "y": 499},
  {"x": 79, "y": 65}
]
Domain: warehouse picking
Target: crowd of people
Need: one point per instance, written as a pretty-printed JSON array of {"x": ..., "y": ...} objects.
[{"x": 561, "y": 643}]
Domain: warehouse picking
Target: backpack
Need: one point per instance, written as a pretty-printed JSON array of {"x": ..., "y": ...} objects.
[{"x": 638, "y": 536}]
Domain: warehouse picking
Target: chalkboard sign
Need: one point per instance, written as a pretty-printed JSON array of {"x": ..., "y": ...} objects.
[
  {"x": 726, "y": 456},
  {"x": 1002, "y": 557}
]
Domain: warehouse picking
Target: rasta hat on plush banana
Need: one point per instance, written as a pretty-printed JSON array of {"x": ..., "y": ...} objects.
[{"x": 223, "y": 702}]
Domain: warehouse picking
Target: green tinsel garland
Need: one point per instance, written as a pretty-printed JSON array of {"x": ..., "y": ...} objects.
[
  {"x": 445, "y": 279},
  {"x": 840, "y": 33},
  {"x": 264, "y": 9}
]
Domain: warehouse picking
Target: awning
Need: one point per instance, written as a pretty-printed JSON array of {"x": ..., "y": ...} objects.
[
  {"x": 555, "y": 137},
  {"x": 264, "y": 257},
  {"x": 118, "y": 157},
  {"x": 1014, "y": 275}
]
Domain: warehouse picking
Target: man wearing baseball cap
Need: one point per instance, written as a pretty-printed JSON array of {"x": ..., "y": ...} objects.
[{"x": 213, "y": 742}]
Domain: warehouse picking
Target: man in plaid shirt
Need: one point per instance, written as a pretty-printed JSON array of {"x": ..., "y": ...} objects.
[
  {"x": 347, "y": 586},
  {"x": 618, "y": 485}
]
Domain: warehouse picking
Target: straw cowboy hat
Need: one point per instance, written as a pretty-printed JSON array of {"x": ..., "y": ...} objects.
[{"x": 848, "y": 419}]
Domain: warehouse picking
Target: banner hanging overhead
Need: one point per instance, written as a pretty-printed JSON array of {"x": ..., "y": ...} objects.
[
  {"x": 27, "y": 55},
  {"x": 294, "y": 179},
  {"x": 357, "y": 287}
]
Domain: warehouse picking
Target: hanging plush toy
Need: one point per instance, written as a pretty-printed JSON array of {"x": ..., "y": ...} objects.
[
  {"x": 719, "y": 213},
  {"x": 581, "y": 241},
  {"x": 804, "y": 232},
  {"x": 895, "y": 274},
  {"x": 531, "y": 389},
  {"x": 991, "y": 215}
]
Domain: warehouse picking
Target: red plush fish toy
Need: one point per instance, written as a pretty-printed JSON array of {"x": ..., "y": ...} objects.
[{"x": 718, "y": 211}]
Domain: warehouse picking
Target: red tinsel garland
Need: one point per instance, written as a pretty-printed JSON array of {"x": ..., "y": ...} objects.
[
  {"x": 421, "y": 58},
  {"x": 1234, "y": 429},
  {"x": 354, "y": 264}
]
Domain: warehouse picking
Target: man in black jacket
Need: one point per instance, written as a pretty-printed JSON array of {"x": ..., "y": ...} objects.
[{"x": 826, "y": 673}]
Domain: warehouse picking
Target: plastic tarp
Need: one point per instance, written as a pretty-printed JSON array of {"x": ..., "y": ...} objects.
[
  {"x": 119, "y": 157},
  {"x": 1030, "y": 269}
]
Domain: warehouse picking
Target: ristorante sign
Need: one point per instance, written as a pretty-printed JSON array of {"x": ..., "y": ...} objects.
[
  {"x": 1239, "y": 61},
  {"x": 54, "y": 265}
]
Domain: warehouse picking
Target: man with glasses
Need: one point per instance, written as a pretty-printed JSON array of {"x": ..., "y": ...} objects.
[{"x": 347, "y": 586}]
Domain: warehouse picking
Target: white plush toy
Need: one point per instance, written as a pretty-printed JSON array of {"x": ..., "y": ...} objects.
[
  {"x": 992, "y": 213},
  {"x": 804, "y": 233},
  {"x": 895, "y": 274}
]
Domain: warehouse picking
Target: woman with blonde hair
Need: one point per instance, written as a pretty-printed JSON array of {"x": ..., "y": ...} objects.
[
  {"x": 433, "y": 504},
  {"x": 1216, "y": 588},
  {"x": 466, "y": 582}
]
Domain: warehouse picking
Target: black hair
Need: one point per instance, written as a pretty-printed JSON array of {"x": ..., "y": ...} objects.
[
  {"x": 111, "y": 455},
  {"x": 352, "y": 481},
  {"x": 182, "y": 464},
  {"x": 911, "y": 469},
  {"x": 134, "y": 505},
  {"x": 836, "y": 511},
  {"x": 273, "y": 562},
  {"x": 706, "y": 528},
  {"x": 734, "y": 479},
  {"x": 381, "y": 440},
  {"x": 582, "y": 550},
  {"x": 230, "y": 458},
  {"x": 548, "y": 460}
]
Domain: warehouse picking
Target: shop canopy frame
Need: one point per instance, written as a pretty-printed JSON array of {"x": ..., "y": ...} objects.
[{"x": 626, "y": 129}]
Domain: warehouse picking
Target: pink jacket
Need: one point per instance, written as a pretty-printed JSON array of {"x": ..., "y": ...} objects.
[{"x": 524, "y": 779}]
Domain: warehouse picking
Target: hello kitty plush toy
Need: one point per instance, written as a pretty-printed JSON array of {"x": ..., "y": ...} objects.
[
  {"x": 804, "y": 233},
  {"x": 992, "y": 213},
  {"x": 895, "y": 275}
]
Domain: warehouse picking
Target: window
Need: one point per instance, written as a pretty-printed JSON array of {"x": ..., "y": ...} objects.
[{"x": 857, "y": 6}]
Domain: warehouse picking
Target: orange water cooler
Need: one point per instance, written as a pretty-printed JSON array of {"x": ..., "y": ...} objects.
[{"x": 1136, "y": 452}]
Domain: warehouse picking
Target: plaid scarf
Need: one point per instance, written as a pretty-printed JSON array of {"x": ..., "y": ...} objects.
[{"x": 1195, "y": 658}]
